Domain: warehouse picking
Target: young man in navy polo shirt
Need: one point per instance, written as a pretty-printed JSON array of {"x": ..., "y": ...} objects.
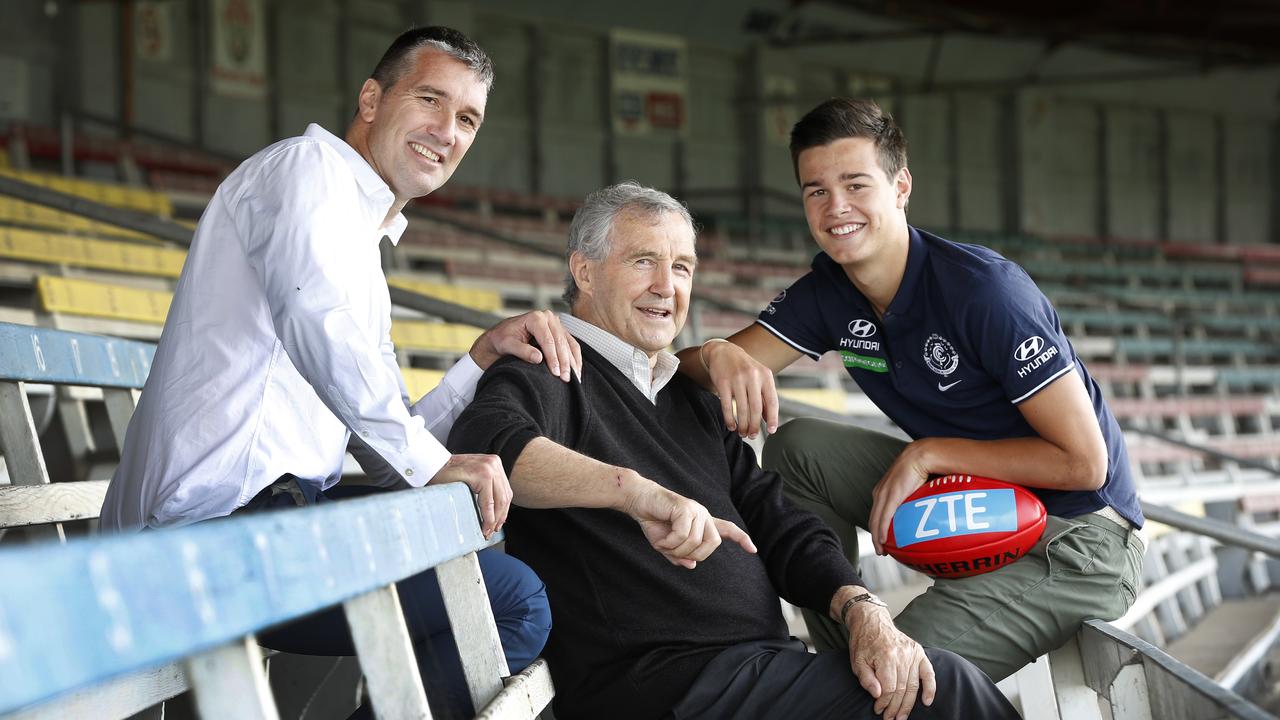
[{"x": 959, "y": 348}]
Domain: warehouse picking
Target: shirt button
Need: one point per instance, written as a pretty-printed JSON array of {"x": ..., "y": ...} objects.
[
  {"x": 364, "y": 433},
  {"x": 408, "y": 472},
  {"x": 898, "y": 364}
]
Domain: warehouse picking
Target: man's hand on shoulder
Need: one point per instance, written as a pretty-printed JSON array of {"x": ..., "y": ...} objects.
[
  {"x": 535, "y": 337},
  {"x": 888, "y": 664},
  {"x": 487, "y": 480},
  {"x": 682, "y": 530}
]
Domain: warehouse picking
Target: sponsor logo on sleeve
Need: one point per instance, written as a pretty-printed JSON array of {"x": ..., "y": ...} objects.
[
  {"x": 776, "y": 299},
  {"x": 1032, "y": 353},
  {"x": 940, "y": 355}
]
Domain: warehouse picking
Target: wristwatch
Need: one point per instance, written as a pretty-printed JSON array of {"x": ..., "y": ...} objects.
[{"x": 864, "y": 597}]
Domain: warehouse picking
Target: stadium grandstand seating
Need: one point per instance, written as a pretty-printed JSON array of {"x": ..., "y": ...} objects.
[{"x": 1183, "y": 340}]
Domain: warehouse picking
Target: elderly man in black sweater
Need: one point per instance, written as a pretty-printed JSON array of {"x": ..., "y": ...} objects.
[{"x": 626, "y": 484}]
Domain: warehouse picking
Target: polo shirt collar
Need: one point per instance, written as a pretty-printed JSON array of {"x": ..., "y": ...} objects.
[
  {"x": 378, "y": 194},
  {"x": 903, "y": 299},
  {"x": 917, "y": 252}
]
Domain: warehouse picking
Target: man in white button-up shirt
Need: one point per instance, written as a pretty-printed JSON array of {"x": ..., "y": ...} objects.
[{"x": 277, "y": 345}]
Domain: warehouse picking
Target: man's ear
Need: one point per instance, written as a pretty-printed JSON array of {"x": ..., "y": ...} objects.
[
  {"x": 580, "y": 267},
  {"x": 370, "y": 94},
  {"x": 903, "y": 187}
]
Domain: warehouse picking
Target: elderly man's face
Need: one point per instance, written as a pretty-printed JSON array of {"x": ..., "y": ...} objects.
[{"x": 640, "y": 292}]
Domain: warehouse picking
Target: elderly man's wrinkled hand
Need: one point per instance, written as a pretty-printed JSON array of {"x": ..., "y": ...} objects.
[
  {"x": 889, "y": 665},
  {"x": 535, "y": 337},
  {"x": 682, "y": 530}
]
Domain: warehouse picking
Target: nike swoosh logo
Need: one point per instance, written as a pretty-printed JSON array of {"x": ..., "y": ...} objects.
[{"x": 944, "y": 388}]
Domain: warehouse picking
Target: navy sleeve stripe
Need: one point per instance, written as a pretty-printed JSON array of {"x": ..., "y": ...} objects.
[
  {"x": 785, "y": 339},
  {"x": 1048, "y": 380}
]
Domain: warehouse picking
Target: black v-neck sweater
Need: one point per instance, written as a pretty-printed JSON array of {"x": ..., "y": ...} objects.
[{"x": 631, "y": 631}]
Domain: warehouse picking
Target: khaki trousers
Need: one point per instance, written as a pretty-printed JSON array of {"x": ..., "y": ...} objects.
[{"x": 1083, "y": 567}]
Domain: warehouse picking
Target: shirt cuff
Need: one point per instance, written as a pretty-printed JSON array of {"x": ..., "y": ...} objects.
[
  {"x": 462, "y": 378},
  {"x": 424, "y": 460}
]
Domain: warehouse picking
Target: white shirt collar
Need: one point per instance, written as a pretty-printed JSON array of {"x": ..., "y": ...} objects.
[
  {"x": 375, "y": 188},
  {"x": 631, "y": 361}
]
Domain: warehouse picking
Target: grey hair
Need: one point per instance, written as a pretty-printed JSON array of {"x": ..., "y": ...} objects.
[
  {"x": 396, "y": 61},
  {"x": 592, "y": 226}
]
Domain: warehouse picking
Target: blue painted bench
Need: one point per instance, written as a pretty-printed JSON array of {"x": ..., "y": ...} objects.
[
  {"x": 40, "y": 355},
  {"x": 31, "y": 355},
  {"x": 94, "y": 610}
]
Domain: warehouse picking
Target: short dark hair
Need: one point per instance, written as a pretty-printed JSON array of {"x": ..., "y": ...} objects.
[
  {"x": 840, "y": 118},
  {"x": 396, "y": 60}
]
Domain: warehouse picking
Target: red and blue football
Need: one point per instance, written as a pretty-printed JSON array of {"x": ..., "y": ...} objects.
[{"x": 960, "y": 525}]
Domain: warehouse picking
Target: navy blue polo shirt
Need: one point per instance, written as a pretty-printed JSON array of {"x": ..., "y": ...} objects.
[{"x": 966, "y": 338}]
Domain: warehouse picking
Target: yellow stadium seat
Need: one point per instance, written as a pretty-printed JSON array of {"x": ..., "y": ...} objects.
[
  {"x": 58, "y": 249},
  {"x": 140, "y": 199},
  {"x": 433, "y": 336},
  {"x": 484, "y": 300},
  {"x": 834, "y": 400},
  {"x": 16, "y": 212},
  {"x": 89, "y": 298},
  {"x": 420, "y": 381},
  {"x": 102, "y": 300}
]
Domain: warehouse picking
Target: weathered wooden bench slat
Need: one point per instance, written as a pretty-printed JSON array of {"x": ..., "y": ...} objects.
[
  {"x": 21, "y": 447},
  {"x": 526, "y": 694},
  {"x": 24, "y": 505},
  {"x": 381, "y": 638},
  {"x": 473, "y": 627},
  {"x": 123, "y": 697},
  {"x": 43, "y": 355},
  {"x": 229, "y": 682}
]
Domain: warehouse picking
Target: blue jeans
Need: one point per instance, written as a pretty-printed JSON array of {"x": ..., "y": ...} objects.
[{"x": 517, "y": 596}]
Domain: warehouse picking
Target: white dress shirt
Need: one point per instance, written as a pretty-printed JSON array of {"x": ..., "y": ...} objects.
[
  {"x": 278, "y": 345},
  {"x": 630, "y": 360}
]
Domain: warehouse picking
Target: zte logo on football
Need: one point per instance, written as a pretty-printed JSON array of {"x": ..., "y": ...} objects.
[
  {"x": 954, "y": 514},
  {"x": 1030, "y": 352}
]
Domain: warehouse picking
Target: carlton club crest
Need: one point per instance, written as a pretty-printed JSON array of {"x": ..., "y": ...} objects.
[{"x": 940, "y": 356}]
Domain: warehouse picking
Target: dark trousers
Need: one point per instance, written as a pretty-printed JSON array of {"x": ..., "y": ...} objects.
[
  {"x": 779, "y": 679},
  {"x": 517, "y": 596}
]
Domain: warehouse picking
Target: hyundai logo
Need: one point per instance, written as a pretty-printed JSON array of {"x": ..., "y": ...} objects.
[
  {"x": 1029, "y": 348},
  {"x": 862, "y": 328}
]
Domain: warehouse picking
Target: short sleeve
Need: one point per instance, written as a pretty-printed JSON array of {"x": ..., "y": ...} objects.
[
  {"x": 794, "y": 317},
  {"x": 1018, "y": 335}
]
